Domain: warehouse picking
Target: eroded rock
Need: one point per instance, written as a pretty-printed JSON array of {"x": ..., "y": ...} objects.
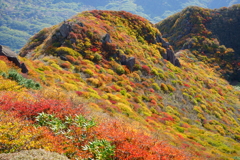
[
  {"x": 170, "y": 55},
  {"x": 65, "y": 29},
  {"x": 12, "y": 56},
  {"x": 107, "y": 38}
]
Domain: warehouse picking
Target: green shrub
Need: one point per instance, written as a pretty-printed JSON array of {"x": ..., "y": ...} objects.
[
  {"x": 62, "y": 126},
  {"x": 120, "y": 70},
  {"x": 101, "y": 149},
  {"x": 155, "y": 87},
  {"x": 28, "y": 83},
  {"x": 3, "y": 74},
  {"x": 97, "y": 57},
  {"x": 89, "y": 72},
  {"x": 180, "y": 129}
]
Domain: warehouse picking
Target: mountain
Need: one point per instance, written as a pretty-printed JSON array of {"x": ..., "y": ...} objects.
[
  {"x": 107, "y": 85},
  {"x": 212, "y": 35},
  {"x": 21, "y": 19}
]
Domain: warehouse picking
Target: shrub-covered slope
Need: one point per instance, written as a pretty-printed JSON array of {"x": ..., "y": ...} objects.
[
  {"x": 106, "y": 92},
  {"x": 212, "y": 35},
  {"x": 20, "y": 19}
]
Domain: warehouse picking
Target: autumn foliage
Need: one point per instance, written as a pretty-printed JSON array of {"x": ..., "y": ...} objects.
[{"x": 87, "y": 104}]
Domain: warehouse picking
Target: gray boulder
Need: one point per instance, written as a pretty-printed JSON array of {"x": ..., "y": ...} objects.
[
  {"x": 24, "y": 68},
  {"x": 123, "y": 59},
  {"x": 80, "y": 24},
  {"x": 159, "y": 39},
  {"x": 107, "y": 38},
  {"x": 65, "y": 29},
  {"x": 170, "y": 55},
  {"x": 12, "y": 56},
  {"x": 130, "y": 63},
  {"x": 177, "y": 63}
]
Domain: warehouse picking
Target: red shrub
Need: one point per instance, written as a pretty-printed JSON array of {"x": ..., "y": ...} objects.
[
  {"x": 72, "y": 35},
  {"x": 30, "y": 108},
  {"x": 146, "y": 69},
  {"x": 166, "y": 117},
  {"x": 186, "y": 85},
  {"x": 94, "y": 49},
  {"x": 133, "y": 145},
  {"x": 151, "y": 90},
  {"x": 65, "y": 65},
  {"x": 115, "y": 89},
  {"x": 79, "y": 93},
  {"x": 70, "y": 58}
]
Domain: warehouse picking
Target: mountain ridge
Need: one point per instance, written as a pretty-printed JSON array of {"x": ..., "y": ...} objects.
[
  {"x": 21, "y": 19},
  {"x": 216, "y": 31}
]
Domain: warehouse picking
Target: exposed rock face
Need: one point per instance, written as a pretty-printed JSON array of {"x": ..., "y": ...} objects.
[
  {"x": 123, "y": 59},
  {"x": 177, "y": 63},
  {"x": 159, "y": 39},
  {"x": 129, "y": 62},
  {"x": 12, "y": 56},
  {"x": 24, "y": 68},
  {"x": 80, "y": 24},
  {"x": 107, "y": 38},
  {"x": 170, "y": 56},
  {"x": 65, "y": 29}
]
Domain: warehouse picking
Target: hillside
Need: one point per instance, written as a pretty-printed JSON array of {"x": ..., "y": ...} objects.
[
  {"x": 103, "y": 85},
  {"x": 212, "y": 35},
  {"x": 20, "y": 19}
]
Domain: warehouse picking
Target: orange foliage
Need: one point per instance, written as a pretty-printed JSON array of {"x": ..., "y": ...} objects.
[{"x": 135, "y": 145}]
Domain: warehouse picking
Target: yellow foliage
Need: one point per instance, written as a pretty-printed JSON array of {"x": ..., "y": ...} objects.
[
  {"x": 220, "y": 129},
  {"x": 113, "y": 97},
  {"x": 110, "y": 71},
  {"x": 9, "y": 85},
  {"x": 93, "y": 81},
  {"x": 25, "y": 96},
  {"x": 145, "y": 111},
  {"x": 54, "y": 65},
  {"x": 198, "y": 109},
  {"x": 124, "y": 107},
  {"x": 46, "y": 68},
  {"x": 3, "y": 66},
  {"x": 69, "y": 87},
  {"x": 53, "y": 93},
  {"x": 68, "y": 51},
  {"x": 94, "y": 106},
  {"x": 16, "y": 135}
]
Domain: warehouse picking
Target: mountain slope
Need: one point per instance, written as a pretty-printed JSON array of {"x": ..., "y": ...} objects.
[
  {"x": 109, "y": 67},
  {"x": 212, "y": 35},
  {"x": 21, "y": 19}
]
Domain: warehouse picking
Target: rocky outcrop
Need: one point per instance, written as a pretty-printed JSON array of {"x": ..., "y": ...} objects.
[
  {"x": 24, "y": 68},
  {"x": 65, "y": 29},
  {"x": 12, "y": 56},
  {"x": 107, "y": 38},
  {"x": 129, "y": 62},
  {"x": 170, "y": 55},
  {"x": 159, "y": 39}
]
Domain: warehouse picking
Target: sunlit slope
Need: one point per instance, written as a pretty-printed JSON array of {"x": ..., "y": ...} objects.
[
  {"x": 108, "y": 65},
  {"x": 212, "y": 35}
]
